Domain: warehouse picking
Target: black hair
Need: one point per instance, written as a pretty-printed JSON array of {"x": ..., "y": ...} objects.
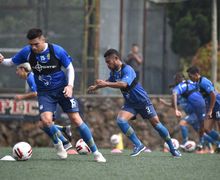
[
  {"x": 110, "y": 52},
  {"x": 34, "y": 33},
  {"x": 179, "y": 75},
  {"x": 193, "y": 70}
]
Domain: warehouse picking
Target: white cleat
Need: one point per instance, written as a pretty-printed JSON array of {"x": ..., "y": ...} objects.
[
  {"x": 61, "y": 152},
  {"x": 99, "y": 157}
]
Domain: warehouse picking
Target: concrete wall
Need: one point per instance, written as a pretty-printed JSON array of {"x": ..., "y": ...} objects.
[{"x": 100, "y": 114}]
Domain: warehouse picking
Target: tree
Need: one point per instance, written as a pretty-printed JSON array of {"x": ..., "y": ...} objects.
[{"x": 191, "y": 25}]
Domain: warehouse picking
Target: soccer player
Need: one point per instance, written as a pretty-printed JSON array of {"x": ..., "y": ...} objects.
[
  {"x": 136, "y": 98},
  {"x": 53, "y": 87},
  {"x": 183, "y": 96},
  {"x": 188, "y": 90},
  {"x": 24, "y": 72},
  {"x": 212, "y": 99}
]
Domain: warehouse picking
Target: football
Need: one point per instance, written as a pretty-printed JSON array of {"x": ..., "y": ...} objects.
[
  {"x": 115, "y": 139},
  {"x": 190, "y": 146},
  {"x": 22, "y": 151},
  {"x": 82, "y": 147},
  {"x": 175, "y": 144}
]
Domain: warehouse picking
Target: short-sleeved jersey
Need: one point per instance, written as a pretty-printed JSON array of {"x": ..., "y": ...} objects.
[
  {"x": 31, "y": 83},
  {"x": 190, "y": 88},
  {"x": 206, "y": 87},
  {"x": 136, "y": 95},
  {"x": 51, "y": 81},
  {"x": 189, "y": 91}
]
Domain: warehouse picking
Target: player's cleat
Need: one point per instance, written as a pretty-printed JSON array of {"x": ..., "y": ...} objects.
[
  {"x": 175, "y": 153},
  {"x": 99, "y": 157},
  {"x": 67, "y": 145},
  {"x": 67, "y": 132},
  {"x": 61, "y": 152},
  {"x": 138, "y": 150},
  {"x": 199, "y": 147},
  {"x": 182, "y": 146}
]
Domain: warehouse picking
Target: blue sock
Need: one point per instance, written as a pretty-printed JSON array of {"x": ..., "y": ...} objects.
[
  {"x": 128, "y": 131},
  {"x": 162, "y": 130},
  {"x": 54, "y": 133},
  {"x": 184, "y": 132},
  {"x": 87, "y": 136}
]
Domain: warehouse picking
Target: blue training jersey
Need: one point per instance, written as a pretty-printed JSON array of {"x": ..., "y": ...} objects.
[
  {"x": 136, "y": 95},
  {"x": 31, "y": 82},
  {"x": 50, "y": 81},
  {"x": 206, "y": 87},
  {"x": 189, "y": 90}
]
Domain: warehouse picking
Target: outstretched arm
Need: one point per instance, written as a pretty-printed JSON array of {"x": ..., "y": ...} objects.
[
  {"x": 174, "y": 99},
  {"x": 166, "y": 103},
  {"x": 6, "y": 62},
  {"x": 25, "y": 96},
  {"x": 104, "y": 83}
]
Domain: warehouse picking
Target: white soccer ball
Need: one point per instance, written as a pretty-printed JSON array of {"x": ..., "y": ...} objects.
[
  {"x": 115, "y": 139},
  {"x": 190, "y": 146},
  {"x": 82, "y": 147},
  {"x": 175, "y": 142},
  {"x": 22, "y": 151}
]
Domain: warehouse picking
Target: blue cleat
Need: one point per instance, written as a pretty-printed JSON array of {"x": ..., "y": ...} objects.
[
  {"x": 138, "y": 150},
  {"x": 175, "y": 153}
]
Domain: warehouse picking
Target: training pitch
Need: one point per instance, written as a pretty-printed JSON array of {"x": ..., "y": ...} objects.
[{"x": 147, "y": 166}]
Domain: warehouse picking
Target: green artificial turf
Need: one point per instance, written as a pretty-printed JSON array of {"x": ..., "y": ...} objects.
[{"x": 44, "y": 164}]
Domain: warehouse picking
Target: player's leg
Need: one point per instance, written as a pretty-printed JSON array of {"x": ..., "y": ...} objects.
[
  {"x": 209, "y": 123},
  {"x": 86, "y": 135},
  {"x": 51, "y": 130},
  {"x": 184, "y": 130},
  {"x": 66, "y": 130},
  {"x": 164, "y": 133},
  {"x": 122, "y": 121},
  {"x": 70, "y": 106},
  {"x": 47, "y": 106}
]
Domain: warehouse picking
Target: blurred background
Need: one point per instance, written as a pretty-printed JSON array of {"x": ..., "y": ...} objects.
[{"x": 171, "y": 34}]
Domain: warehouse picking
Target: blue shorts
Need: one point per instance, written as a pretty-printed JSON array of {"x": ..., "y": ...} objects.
[
  {"x": 146, "y": 112},
  {"x": 48, "y": 102},
  {"x": 193, "y": 121},
  {"x": 216, "y": 111}
]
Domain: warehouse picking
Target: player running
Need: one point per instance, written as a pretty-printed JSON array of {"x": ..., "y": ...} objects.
[
  {"x": 188, "y": 90},
  {"x": 212, "y": 100},
  {"x": 24, "y": 72},
  {"x": 53, "y": 87},
  {"x": 123, "y": 77}
]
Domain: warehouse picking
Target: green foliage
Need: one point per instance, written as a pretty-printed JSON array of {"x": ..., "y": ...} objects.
[{"x": 191, "y": 25}]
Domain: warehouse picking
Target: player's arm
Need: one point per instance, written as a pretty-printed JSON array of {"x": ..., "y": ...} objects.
[
  {"x": 174, "y": 100},
  {"x": 105, "y": 83},
  {"x": 29, "y": 95},
  {"x": 212, "y": 104},
  {"x": 68, "y": 90},
  {"x": 166, "y": 103},
  {"x": 6, "y": 61}
]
